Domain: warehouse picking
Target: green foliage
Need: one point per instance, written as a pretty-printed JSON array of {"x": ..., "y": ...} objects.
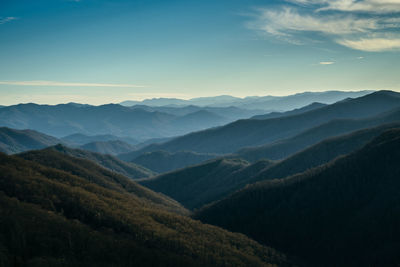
[
  {"x": 196, "y": 185},
  {"x": 163, "y": 161},
  {"x": 112, "y": 163},
  {"x": 15, "y": 141},
  {"x": 344, "y": 213},
  {"x": 70, "y": 215}
]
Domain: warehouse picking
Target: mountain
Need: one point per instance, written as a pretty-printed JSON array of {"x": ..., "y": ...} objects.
[
  {"x": 156, "y": 102},
  {"x": 72, "y": 213},
  {"x": 231, "y": 113},
  {"x": 283, "y": 148},
  {"x": 272, "y": 115},
  {"x": 285, "y": 103},
  {"x": 15, "y": 141},
  {"x": 109, "y": 162},
  {"x": 245, "y": 133},
  {"x": 108, "y": 147},
  {"x": 266, "y": 103},
  {"x": 81, "y": 139},
  {"x": 199, "y": 120},
  {"x": 345, "y": 213},
  {"x": 199, "y": 101},
  {"x": 163, "y": 161},
  {"x": 198, "y": 185},
  {"x": 105, "y": 120},
  {"x": 94, "y": 173}
]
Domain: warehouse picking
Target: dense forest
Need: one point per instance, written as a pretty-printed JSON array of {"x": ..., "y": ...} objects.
[
  {"x": 344, "y": 213},
  {"x": 51, "y": 217}
]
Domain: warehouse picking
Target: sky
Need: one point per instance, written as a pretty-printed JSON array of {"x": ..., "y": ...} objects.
[{"x": 108, "y": 51}]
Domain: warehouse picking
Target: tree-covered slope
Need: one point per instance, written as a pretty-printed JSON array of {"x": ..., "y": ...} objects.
[
  {"x": 163, "y": 161},
  {"x": 344, "y": 213},
  {"x": 109, "y": 162},
  {"x": 251, "y": 132},
  {"x": 113, "y": 147},
  {"x": 284, "y": 148},
  {"x": 52, "y": 217},
  {"x": 15, "y": 141},
  {"x": 195, "y": 186},
  {"x": 98, "y": 175}
]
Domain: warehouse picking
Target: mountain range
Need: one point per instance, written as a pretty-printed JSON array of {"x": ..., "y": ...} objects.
[
  {"x": 344, "y": 213},
  {"x": 316, "y": 185},
  {"x": 196, "y": 186},
  {"x": 283, "y": 148},
  {"x": 266, "y": 103},
  {"x": 57, "y": 210},
  {"x": 253, "y": 132}
]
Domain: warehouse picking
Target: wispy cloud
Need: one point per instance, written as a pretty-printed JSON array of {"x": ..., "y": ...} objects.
[
  {"x": 372, "y": 44},
  {"x": 327, "y": 62},
  {"x": 4, "y": 20},
  {"x": 367, "y": 25},
  {"x": 285, "y": 20},
  {"x": 364, "y": 6},
  {"x": 68, "y": 84}
]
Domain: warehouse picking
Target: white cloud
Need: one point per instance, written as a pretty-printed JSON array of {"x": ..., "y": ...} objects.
[
  {"x": 343, "y": 24},
  {"x": 282, "y": 22},
  {"x": 327, "y": 62},
  {"x": 370, "y": 6},
  {"x": 372, "y": 44},
  {"x": 7, "y": 19},
  {"x": 366, "y": 6},
  {"x": 68, "y": 84}
]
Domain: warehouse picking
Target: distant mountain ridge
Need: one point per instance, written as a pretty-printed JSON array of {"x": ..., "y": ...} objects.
[
  {"x": 67, "y": 120},
  {"x": 285, "y": 147},
  {"x": 244, "y": 133},
  {"x": 277, "y": 103}
]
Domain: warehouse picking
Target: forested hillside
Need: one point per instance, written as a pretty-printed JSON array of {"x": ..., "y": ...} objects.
[
  {"x": 69, "y": 217},
  {"x": 344, "y": 213}
]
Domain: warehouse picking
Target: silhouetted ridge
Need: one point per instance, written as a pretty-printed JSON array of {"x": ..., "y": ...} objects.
[
  {"x": 216, "y": 185},
  {"x": 245, "y": 133},
  {"x": 345, "y": 213},
  {"x": 283, "y": 148}
]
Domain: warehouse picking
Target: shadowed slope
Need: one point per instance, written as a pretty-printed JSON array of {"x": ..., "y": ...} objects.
[
  {"x": 163, "y": 161},
  {"x": 16, "y": 141},
  {"x": 345, "y": 213},
  {"x": 284, "y": 148},
  {"x": 182, "y": 184},
  {"x": 50, "y": 217},
  {"x": 109, "y": 162},
  {"x": 244, "y": 133}
]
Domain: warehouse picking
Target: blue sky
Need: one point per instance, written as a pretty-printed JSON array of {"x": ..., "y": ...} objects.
[{"x": 102, "y": 51}]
